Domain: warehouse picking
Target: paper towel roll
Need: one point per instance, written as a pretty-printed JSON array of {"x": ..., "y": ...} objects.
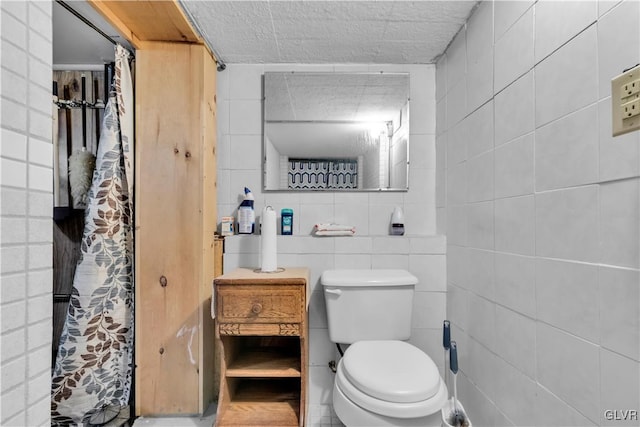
[{"x": 268, "y": 249}]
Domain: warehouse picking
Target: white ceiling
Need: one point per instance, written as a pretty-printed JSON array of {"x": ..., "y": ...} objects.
[
  {"x": 386, "y": 32},
  {"x": 288, "y": 31}
]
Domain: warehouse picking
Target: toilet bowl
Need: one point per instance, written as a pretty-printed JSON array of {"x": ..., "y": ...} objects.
[
  {"x": 387, "y": 383},
  {"x": 381, "y": 380}
]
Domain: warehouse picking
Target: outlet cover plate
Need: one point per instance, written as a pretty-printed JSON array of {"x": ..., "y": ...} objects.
[{"x": 624, "y": 95}]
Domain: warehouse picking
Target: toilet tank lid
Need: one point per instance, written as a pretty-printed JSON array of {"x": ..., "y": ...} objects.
[{"x": 354, "y": 278}]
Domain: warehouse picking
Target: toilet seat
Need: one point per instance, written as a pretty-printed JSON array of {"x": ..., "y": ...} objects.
[
  {"x": 394, "y": 371},
  {"x": 391, "y": 378}
]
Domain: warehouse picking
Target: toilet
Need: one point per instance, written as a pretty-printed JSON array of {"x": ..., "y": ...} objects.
[{"x": 381, "y": 380}]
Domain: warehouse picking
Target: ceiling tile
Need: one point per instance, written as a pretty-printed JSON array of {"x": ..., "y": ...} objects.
[
  {"x": 331, "y": 10},
  {"x": 456, "y": 11},
  {"x": 434, "y": 32},
  {"x": 350, "y": 32}
]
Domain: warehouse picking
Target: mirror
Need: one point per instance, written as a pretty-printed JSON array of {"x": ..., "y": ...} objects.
[{"x": 336, "y": 131}]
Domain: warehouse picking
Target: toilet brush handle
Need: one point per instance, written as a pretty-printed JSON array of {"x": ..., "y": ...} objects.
[
  {"x": 446, "y": 334},
  {"x": 446, "y": 343},
  {"x": 453, "y": 357}
]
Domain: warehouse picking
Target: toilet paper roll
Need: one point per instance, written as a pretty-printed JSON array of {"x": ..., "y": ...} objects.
[{"x": 268, "y": 249}]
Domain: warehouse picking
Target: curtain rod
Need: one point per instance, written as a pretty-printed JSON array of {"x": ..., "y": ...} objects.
[
  {"x": 78, "y": 67},
  {"x": 196, "y": 26},
  {"x": 89, "y": 23}
]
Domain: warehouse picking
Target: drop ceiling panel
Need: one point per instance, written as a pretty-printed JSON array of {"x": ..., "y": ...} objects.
[
  {"x": 329, "y": 31},
  {"x": 420, "y": 32},
  {"x": 452, "y": 11},
  {"x": 324, "y": 11}
]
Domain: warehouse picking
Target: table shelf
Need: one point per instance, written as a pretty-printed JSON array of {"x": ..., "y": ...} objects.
[
  {"x": 263, "y": 403},
  {"x": 264, "y": 362}
]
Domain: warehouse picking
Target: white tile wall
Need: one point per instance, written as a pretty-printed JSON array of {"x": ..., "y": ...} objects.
[
  {"x": 566, "y": 224},
  {"x": 552, "y": 410},
  {"x": 480, "y": 225},
  {"x": 25, "y": 217},
  {"x": 480, "y": 272},
  {"x": 514, "y": 164},
  {"x": 555, "y": 96},
  {"x": 614, "y": 369},
  {"x": 515, "y": 283},
  {"x": 567, "y": 297},
  {"x": 569, "y": 367},
  {"x": 553, "y": 29},
  {"x": 480, "y": 57},
  {"x": 456, "y": 183},
  {"x": 480, "y": 177},
  {"x": 572, "y": 140},
  {"x": 619, "y": 210},
  {"x": 514, "y": 228},
  {"x": 620, "y": 329},
  {"x": 552, "y": 308},
  {"x": 480, "y": 366},
  {"x": 507, "y": 13},
  {"x": 514, "y": 108},
  {"x": 456, "y": 147},
  {"x": 519, "y": 332},
  {"x": 456, "y": 60},
  {"x": 514, "y": 52},
  {"x": 481, "y": 121},
  {"x": 514, "y": 394}
]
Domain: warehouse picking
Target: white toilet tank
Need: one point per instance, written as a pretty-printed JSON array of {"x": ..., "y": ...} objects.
[{"x": 368, "y": 304}]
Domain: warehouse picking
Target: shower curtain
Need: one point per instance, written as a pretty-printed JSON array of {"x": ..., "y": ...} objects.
[{"x": 94, "y": 363}]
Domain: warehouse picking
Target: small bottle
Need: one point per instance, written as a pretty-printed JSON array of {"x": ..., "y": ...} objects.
[
  {"x": 397, "y": 222},
  {"x": 246, "y": 215},
  {"x": 226, "y": 226},
  {"x": 286, "y": 221}
]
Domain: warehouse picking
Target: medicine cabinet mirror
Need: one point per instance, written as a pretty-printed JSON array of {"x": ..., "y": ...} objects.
[{"x": 336, "y": 131}]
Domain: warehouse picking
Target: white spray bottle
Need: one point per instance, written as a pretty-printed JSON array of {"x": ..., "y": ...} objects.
[{"x": 246, "y": 214}]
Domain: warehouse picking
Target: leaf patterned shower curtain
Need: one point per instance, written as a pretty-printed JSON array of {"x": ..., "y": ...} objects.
[{"x": 94, "y": 363}]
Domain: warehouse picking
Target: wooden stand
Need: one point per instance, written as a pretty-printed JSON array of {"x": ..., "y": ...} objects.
[{"x": 261, "y": 325}]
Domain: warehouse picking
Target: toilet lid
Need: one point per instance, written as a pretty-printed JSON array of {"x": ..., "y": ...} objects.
[{"x": 394, "y": 371}]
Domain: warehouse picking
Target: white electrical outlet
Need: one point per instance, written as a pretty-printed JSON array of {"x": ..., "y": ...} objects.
[
  {"x": 631, "y": 88},
  {"x": 625, "y": 101},
  {"x": 631, "y": 109}
]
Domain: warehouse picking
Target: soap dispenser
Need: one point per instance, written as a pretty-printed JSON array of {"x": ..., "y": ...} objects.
[{"x": 397, "y": 222}]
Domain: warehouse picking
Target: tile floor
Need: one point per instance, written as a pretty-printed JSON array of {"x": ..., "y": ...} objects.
[
  {"x": 206, "y": 420},
  {"x": 319, "y": 416}
]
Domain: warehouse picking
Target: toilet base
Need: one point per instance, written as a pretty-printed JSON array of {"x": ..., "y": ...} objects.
[{"x": 353, "y": 415}]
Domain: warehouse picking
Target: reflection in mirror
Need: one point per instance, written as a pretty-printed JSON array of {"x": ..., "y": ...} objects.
[{"x": 336, "y": 131}]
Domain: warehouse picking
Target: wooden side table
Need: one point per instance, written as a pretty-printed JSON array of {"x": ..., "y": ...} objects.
[{"x": 261, "y": 325}]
